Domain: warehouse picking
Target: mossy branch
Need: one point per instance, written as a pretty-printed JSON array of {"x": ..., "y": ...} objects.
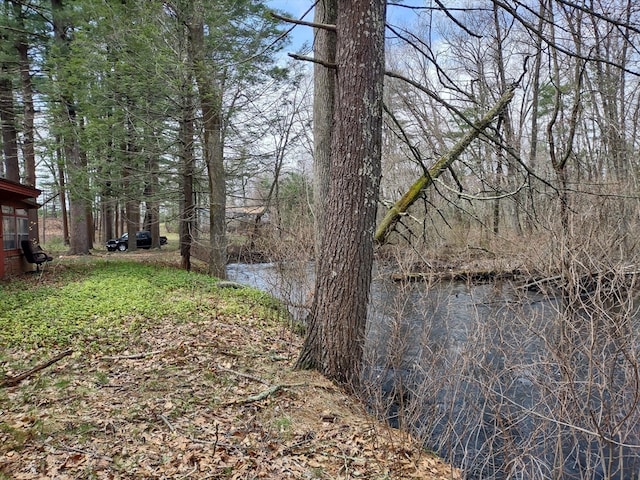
[{"x": 409, "y": 198}]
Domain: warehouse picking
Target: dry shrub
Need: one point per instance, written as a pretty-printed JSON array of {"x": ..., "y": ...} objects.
[{"x": 509, "y": 383}]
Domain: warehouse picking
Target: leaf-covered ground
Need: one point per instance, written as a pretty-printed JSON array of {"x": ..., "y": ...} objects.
[{"x": 178, "y": 380}]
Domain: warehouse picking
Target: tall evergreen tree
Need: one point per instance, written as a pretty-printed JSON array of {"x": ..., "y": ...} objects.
[{"x": 346, "y": 260}]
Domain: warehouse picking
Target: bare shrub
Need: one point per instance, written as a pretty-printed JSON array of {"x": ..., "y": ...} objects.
[{"x": 509, "y": 383}]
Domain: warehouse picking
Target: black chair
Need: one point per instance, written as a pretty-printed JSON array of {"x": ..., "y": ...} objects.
[{"x": 34, "y": 254}]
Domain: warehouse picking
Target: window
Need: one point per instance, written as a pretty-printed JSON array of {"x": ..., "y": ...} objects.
[{"x": 15, "y": 227}]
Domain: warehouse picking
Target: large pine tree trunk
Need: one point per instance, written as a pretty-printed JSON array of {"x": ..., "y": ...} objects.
[
  {"x": 79, "y": 238},
  {"x": 28, "y": 121},
  {"x": 346, "y": 259},
  {"x": 324, "y": 85},
  {"x": 217, "y": 192},
  {"x": 8, "y": 124},
  {"x": 210, "y": 96}
]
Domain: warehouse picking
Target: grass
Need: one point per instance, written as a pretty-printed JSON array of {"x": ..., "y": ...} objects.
[
  {"x": 162, "y": 383},
  {"x": 106, "y": 301}
]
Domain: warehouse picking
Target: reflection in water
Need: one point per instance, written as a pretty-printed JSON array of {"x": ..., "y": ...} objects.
[{"x": 499, "y": 381}]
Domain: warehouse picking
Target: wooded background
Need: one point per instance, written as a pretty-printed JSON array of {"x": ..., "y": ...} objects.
[{"x": 127, "y": 114}]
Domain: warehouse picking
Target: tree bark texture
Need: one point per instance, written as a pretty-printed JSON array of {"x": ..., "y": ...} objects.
[
  {"x": 8, "y": 122},
  {"x": 394, "y": 214},
  {"x": 152, "y": 204},
  {"x": 187, "y": 204},
  {"x": 346, "y": 259},
  {"x": 324, "y": 85},
  {"x": 79, "y": 238},
  {"x": 28, "y": 122},
  {"x": 210, "y": 96},
  {"x": 62, "y": 187}
]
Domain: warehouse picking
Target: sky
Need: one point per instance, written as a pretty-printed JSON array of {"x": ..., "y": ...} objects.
[{"x": 296, "y": 8}]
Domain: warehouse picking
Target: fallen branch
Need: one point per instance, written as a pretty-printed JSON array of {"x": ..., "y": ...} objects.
[
  {"x": 394, "y": 214},
  {"x": 167, "y": 423},
  {"x": 261, "y": 396},
  {"x": 458, "y": 276},
  {"x": 229, "y": 284},
  {"x": 84, "y": 452},
  {"x": 539, "y": 281},
  {"x": 13, "y": 381},
  {"x": 266, "y": 393},
  {"x": 240, "y": 374}
]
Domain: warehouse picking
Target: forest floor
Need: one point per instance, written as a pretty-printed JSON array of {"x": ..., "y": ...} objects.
[{"x": 214, "y": 396}]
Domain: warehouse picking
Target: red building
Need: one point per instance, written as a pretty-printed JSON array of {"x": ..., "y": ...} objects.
[{"x": 15, "y": 202}]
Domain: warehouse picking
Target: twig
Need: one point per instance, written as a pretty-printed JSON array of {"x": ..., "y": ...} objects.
[
  {"x": 323, "y": 26},
  {"x": 13, "y": 381},
  {"x": 188, "y": 474},
  {"x": 531, "y": 411},
  {"x": 255, "y": 398},
  {"x": 264, "y": 394},
  {"x": 306, "y": 58},
  {"x": 215, "y": 445},
  {"x": 538, "y": 281},
  {"x": 244, "y": 375},
  {"x": 134, "y": 356},
  {"x": 167, "y": 423}
]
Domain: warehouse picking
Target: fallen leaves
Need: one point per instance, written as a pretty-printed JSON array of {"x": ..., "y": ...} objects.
[{"x": 213, "y": 398}]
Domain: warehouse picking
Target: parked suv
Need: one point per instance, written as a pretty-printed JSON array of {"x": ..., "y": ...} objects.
[{"x": 143, "y": 240}]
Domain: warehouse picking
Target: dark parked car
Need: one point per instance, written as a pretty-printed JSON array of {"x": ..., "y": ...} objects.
[{"x": 143, "y": 240}]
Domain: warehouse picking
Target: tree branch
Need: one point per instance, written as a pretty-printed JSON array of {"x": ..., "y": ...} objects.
[
  {"x": 305, "y": 58},
  {"x": 323, "y": 26},
  {"x": 415, "y": 191},
  {"x": 13, "y": 381}
]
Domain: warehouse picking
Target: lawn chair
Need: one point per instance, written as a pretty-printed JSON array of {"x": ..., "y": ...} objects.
[{"x": 34, "y": 254}]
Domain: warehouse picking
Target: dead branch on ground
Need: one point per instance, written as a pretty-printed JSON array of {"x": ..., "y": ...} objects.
[{"x": 13, "y": 381}]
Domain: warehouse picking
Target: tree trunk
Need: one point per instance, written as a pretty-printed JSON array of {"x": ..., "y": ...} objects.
[
  {"x": 324, "y": 85},
  {"x": 535, "y": 97},
  {"x": 133, "y": 223},
  {"x": 560, "y": 158},
  {"x": 28, "y": 134},
  {"x": 324, "y": 92},
  {"x": 152, "y": 204},
  {"x": 346, "y": 259},
  {"x": 187, "y": 204},
  {"x": 108, "y": 216},
  {"x": 509, "y": 137},
  {"x": 62, "y": 186},
  {"x": 210, "y": 93},
  {"x": 80, "y": 242},
  {"x": 8, "y": 122}
]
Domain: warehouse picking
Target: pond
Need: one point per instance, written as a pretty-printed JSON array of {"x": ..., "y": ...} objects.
[{"x": 500, "y": 381}]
